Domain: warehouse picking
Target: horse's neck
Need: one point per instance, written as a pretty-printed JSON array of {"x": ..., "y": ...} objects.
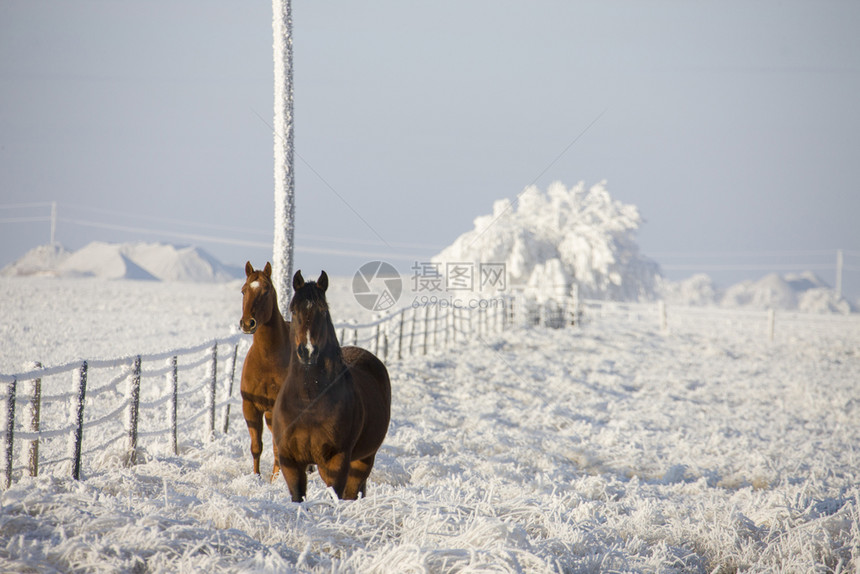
[
  {"x": 274, "y": 333},
  {"x": 330, "y": 370}
]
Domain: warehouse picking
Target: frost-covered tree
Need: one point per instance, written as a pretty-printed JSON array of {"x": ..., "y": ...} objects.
[
  {"x": 551, "y": 241},
  {"x": 282, "y": 252}
]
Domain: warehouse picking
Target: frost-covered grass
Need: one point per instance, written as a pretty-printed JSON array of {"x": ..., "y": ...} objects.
[{"x": 608, "y": 448}]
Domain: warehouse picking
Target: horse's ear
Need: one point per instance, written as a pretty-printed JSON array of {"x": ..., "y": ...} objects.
[
  {"x": 248, "y": 269},
  {"x": 298, "y": 280},
  {"x": 268, "y": 270},
  {"x": 322, "y": 282}
]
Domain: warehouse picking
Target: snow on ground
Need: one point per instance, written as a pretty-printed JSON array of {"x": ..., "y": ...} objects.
[
  {"x": 610, "y": 447},
  {"x": 56, "y": 321}
]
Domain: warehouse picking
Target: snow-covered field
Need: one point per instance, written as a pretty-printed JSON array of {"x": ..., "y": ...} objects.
[{"x": 610, "y": 447}]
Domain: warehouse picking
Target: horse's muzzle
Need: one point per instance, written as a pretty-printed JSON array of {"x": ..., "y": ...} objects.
[
  {"x": 248, "y": 328},
  {"x": 308, "y": 358}
]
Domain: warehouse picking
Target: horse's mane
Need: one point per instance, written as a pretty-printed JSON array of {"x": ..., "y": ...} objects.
[
  {"x": 309, "y": 293},
  {"x": 311, "y": 296}
]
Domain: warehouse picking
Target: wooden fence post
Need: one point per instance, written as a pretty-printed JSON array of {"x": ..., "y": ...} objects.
[
  {"x": 412, "y": 333},
  {"x": 78, "y": 437},
  {"x": 400, "y": 335},
  {"x": 426, "y": 326},
  {"x": 35, "y": 423},
  {"x": 133, "y": 411},
  {"x": 771, "y": 322},
  {"x": 469, "y": 325},
  {"x": 385, "y": 346},
  {"x": 376, "y": 344},
  {"x": 436, "y": 326},
  {"x": 483, "y": 322},
  {"x": 174, "y": 403},
  {"x": 230, "y": 388},
  {"x": 212, "y": 387},
  {"x": 10, "y": 430}
]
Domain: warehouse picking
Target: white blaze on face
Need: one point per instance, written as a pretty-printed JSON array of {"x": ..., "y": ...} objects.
[
  {"x": 255, "y": 285},
  {"x": 308, "y": 344}
]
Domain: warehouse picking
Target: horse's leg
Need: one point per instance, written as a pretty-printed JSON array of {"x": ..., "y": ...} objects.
[
  {"x": 276, "y": 467},
  {"x": 359, "y": 470},
  {"x": 296, "y": 477},
  {"x": 254, "y": 420},
  {"x": 335, "y": 471}
]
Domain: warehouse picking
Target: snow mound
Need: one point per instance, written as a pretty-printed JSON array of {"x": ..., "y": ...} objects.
[
  {"x": 105, "y": 261},
  {"x": 553, "y": 241},
  {"x": 172, "y": 263},
  {"x": 40, "y": 261},
  {"x": 136, "y": 261}
]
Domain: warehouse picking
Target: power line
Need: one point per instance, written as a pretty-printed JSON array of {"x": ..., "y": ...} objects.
[
  {"x": 185, "y": 222},
  {"x": 24, "y": 205},
  {"x": 241, "y": 242},
  {"x": 41, "y": 218},
  {"x": 787, "y": 253},
  {"x": 749, "y": 267},
  {"x": 409, "y": 257},
  {"x": 169, "y": 220}
]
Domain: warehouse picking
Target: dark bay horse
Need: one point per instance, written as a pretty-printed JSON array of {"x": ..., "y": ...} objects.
[
  {"x": 335, "y": 406},
  {"x": 268, "y": 359}
]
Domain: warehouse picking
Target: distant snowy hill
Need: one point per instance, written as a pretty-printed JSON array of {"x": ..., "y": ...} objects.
[
  {"x": 139, "y": 261},
  {"x": 802, "y": 292}
]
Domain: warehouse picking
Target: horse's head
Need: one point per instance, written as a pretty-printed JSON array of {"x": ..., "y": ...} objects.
[
  {"x": 258, "y": 298},
  {"x": 311, "y": 328}
]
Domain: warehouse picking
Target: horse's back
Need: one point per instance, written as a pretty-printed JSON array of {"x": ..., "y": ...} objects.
[
  {"x": 373, "y": 386},
  {"x": 373, "y": 371}
]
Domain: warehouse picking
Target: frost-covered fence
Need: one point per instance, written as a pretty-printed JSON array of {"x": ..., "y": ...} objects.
[
  {"x": 526, "y": 310},
  {"x": 106, "y": 408},
  {"x": 768, "y": 325},
  {"x": 425, "y": 326},
  {"x": 64, "y": 417},
  {"x": 88, "y": 411}
]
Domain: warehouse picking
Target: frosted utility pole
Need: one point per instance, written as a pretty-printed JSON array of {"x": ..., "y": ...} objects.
[
  {"x": 53, "y": 222},
  {"x": 285, "y": 211},
  {"x": 839, "y": 273}
]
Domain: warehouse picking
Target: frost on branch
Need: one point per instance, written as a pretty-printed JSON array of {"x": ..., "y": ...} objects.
[{"x": 551, "y": 241}]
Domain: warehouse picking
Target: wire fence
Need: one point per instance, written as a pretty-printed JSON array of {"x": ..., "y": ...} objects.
[
  {"x": 61, "y": 417},
  {"x": 768, "y": 325},
  {"x": 66, "y": 417}
]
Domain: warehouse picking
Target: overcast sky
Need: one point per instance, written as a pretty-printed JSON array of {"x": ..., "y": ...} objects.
[{"x": 733, "y": 126}]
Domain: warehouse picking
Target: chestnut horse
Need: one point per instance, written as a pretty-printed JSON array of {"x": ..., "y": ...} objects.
[
  {"x": 334, "y": 408},
  {"x": 268, "y": 359}
]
